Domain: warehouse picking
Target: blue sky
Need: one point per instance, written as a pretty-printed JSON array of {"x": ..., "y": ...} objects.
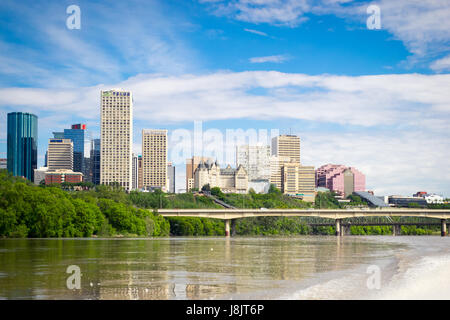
[{"x": 375, "y": 99}]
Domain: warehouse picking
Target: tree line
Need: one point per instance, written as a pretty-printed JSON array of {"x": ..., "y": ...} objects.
[{"x": 27, "y": 210}]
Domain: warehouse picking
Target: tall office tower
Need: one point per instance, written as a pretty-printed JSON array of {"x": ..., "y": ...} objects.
[
  {"x": 56, "y": 135},
  {"x": 140, "y": 173},
  {"x": 298, "y": 180},
  {"x": 286, "y": 146},
  {"x": 77, "y": 135},
  {"x": 154, "y": 159},
  {"x": 22, "y": 144},
  {"x": 276, "y": 165},
  {"x": 116, "y": 138},
  {"x": 307, "y": 182},
  {"x": 255, "y": 160},
  {"x": 192, "y": 165},
  {"x": 135, "y": 170},
  {"x": 60, "y": 154},
  {"x": 171, "y": 176},
  {"x": 87, "y": 173},
  {"x": 95, "y": 161}
]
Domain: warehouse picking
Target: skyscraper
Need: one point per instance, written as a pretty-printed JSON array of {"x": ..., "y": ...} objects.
[
  {"x": 95, "y": 161},
  {"x": 135, "y": 170},
  {"x": 22, "y": 144},
  {"x": 116, "y": 138},
  {"x": 154, "y": 159},
  {"x": 140, "y": 173},
  {"x": 287, "y": 146},
  {"x": 77, "y": 135},
  {"x": 255, "y": 160},
  {"x": 60, "y": 154},
  {"x": 171, "y": 176}
]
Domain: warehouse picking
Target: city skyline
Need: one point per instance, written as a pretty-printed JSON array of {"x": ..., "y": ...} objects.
[{"x": 376, "y": 100}]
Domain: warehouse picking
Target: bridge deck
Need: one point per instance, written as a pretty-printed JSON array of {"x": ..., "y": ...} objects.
[{"x": 226, "y": 214}]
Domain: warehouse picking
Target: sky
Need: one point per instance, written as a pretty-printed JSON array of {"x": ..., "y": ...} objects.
[{"x": 361, "y": 91}]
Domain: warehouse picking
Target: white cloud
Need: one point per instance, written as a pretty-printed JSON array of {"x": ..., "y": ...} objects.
[
  {"x": 441, "y": 64},
  {"x": 393, "y": 127},
  {"x": 407, "y": 99},
  {"x": 274, "y": 59},
  {"x": 277, "y": 12},
  {"x": 257, "y": 32},
  {"x": 400, "y": 163},
  {"x": 104, "y": 48},
  {"x": 424, "y": 26}
]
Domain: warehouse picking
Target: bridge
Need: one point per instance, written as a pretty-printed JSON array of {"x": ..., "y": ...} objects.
[{"x": 230, "y": 215}]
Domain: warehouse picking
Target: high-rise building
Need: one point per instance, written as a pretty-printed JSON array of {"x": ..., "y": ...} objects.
[
  {"x": 171, "y": 176},
  {"x": 276, "y": 165},
  {"x": 135, "y": 170},
  {"x": 60, "y": 154},
  {"x": 154, "y": 159},
  {"x": 192, "y": 165},
  {"x": 285, "y": 150},
  {"x": 22, "y": 144},
  {"x": 340, "y": 179},
  {"x": 286, "y": 146},
  {"x": 95, "y": 161},
  {"x": 77, "y": 134},
  {"x": 140, "y": 173},
  {"x": 116, "y": 138},
  {"x": 255, "y": 160},
  {"x": 298, "y": 180}
]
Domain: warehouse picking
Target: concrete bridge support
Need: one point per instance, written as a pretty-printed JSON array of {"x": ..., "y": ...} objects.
[
  {"x": 443, "y": 227},
  {"x": 227, "y": 227},
  {"x": 233, "y": 227},
  {"x": 396, "y": 229},
  {"x": 338, "y": 227},
  {"x": 345, "y": 230}
]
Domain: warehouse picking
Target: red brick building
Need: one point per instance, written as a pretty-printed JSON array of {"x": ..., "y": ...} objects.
[{"x": 60, "y": 176}]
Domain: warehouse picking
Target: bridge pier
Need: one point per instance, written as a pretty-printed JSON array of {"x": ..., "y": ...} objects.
[
  {"x": 233, "y": 227},
  {"x": 346, "y": 230},
  {"x": 396, "y": 230},
  {"x": 227, "y": 227},
  {"x": 338, "y": 227},
  {"x": 443, "y": 227}
]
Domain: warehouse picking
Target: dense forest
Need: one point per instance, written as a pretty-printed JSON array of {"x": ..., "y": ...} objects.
[{"x": 27, "y": 210}]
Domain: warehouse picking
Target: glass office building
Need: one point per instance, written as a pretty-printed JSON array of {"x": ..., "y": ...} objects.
[
  {"x": 77, "y": 135},
  {"x": 22, "y": 144},
  {"x": 95, "y": 161}
]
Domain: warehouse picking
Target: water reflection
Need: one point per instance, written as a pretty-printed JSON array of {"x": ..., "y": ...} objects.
[{"x": 175, "y": 268}]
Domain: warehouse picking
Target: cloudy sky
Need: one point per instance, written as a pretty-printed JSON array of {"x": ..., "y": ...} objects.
[{"x": 376, "y": 99}]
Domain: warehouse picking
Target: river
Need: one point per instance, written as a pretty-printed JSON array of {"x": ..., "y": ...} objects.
[{"x": 303, "y": 267}]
